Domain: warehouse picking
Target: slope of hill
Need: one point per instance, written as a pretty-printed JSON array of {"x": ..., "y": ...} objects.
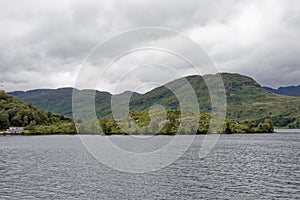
[
  {"x": 246, "y": 100},
  {"x": 289, "y": 90},
  {"x": 16, "y": 113},
  {"x": 60, "y": 100},
  {"x": 57, "y": 101}
]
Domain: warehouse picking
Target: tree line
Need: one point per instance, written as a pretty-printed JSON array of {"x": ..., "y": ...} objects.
[{"x": 170, "y": 126}]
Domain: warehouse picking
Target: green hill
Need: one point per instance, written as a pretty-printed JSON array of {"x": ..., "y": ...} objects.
[
  {"x": 15, "y": 113},
  {"x": 246, "y": 100},
  {"x": 57, "y": 101},
  {"x": 60, "y": 100}
]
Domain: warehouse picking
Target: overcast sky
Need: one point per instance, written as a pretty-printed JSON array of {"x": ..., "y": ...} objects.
[{"x": 44, "y": 42}]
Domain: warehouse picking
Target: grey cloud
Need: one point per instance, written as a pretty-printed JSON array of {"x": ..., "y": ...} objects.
[{"x": 43, "y": 43}]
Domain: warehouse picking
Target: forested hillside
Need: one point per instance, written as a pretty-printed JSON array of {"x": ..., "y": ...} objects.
[{"x": 15, "y": 113}]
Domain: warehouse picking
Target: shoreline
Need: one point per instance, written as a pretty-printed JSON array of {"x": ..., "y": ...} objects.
[
  {"x": 280, "y": 130},
  {"x": 140, "y": 135}
]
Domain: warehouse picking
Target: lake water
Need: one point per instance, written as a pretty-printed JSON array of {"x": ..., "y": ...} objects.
[{"x": 241, "y": 166}]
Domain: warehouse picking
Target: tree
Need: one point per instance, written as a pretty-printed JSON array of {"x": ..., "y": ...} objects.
[
  {"x": 227, "y": 129},
  {"x": 106, "y": 127},
  {"x": 266, "y": 127},
  {"x": 155, "y": 127},
  {"x": 4, "y": 122},
  {"x": 170, "y": 126}
]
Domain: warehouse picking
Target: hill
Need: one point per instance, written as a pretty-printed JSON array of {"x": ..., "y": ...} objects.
[
  {"x": 60, "y": 100},
  {"x": 246, "y": 100},
  {"x": 15, "y": 113},
  {"x": 289, "y": 90}
]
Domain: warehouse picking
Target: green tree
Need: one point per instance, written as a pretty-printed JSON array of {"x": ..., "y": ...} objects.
[
  {"x": 227, "y": 129},
  {"x": 106, "y": 127},
  {"x": 266, "y": 127},
  {"x": 4, "y": 121}
]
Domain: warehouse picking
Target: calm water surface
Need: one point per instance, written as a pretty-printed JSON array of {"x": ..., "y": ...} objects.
[{"x": 258, "y": 166}]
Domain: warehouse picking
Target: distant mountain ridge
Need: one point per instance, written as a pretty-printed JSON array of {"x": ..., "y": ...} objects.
[
  {"x": 59, "y": 100},
  {"x": 288, "y": 90},
  {"x": 246, "y": 100}
]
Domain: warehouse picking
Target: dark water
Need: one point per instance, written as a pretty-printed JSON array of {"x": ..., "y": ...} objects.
[{"x": 265, "y": 166}]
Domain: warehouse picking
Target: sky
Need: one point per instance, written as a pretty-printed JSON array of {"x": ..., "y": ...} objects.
[{"x": 45, "y": 44}]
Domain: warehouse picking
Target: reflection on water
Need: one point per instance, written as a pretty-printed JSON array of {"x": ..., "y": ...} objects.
[{"x": 258, "y": 166}]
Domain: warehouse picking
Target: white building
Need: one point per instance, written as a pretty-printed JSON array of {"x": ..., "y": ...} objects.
[{"x": 15, "y": 130}]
